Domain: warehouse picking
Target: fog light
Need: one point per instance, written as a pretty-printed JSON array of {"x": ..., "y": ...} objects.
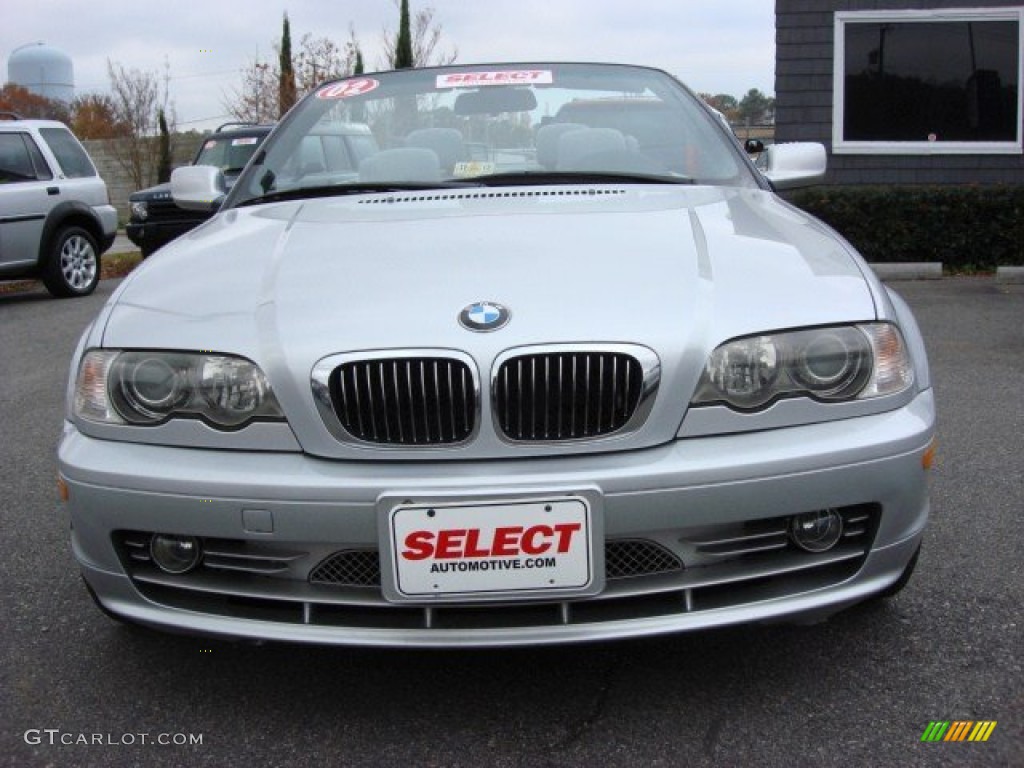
[
  {"x": 816, "y": 531},
  {"x": 175, "y": 554}
]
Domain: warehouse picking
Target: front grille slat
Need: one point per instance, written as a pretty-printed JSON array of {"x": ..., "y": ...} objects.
[
  {"x": 398, "y": 401},
  {"x": 373, "y": 410},
  {"x": 561, "y": 366},
  {"x": 416, "y": 401},
  {"x": 567, "y": 395},
  {"x": 358, "y": 403},
  {"x": 411, "y": 400},
  {"x": 534, "y": 406},
  {"x": 547, "y": 414},
  {"x": 586, "y": 400},
  {"x": 575, "y": 389},
  {"x": 467, "y": 402},
  {"x": 451, "y": 395},
  {"x": 437, "y": 404},
  {"x": 519, "y": 371},
  {"x": 425, "y": 409},
  {"x": 384, "y": 401},
  {"x": 615, "y": 385}
]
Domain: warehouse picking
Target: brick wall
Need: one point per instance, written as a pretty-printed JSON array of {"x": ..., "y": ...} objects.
[{"x": 804, "y": 32}]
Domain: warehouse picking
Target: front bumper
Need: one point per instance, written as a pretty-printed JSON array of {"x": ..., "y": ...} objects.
[
  {"x": 256, "y": 507},
  {"x": 107, "y": 215},
  {"x": 151, "y": 235}
]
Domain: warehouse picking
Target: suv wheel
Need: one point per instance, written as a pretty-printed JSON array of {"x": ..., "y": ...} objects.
[{"x": 73, "y": 264}]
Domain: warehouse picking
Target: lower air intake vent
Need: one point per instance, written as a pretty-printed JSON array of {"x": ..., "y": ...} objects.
[
  {"x": 638, "y": 558},
  {"x": 353, "y": 568}
]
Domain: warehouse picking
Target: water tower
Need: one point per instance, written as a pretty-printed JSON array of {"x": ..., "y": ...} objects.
[{"x": 43, "y": 70}]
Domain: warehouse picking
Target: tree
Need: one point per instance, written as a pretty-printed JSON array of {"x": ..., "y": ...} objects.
[
  {"x": 754, "y": 106},
  {"x": 320, "y": 59},
  {"x": 358, "y": 69},
  {"x": 724, "y": 103},
  {"x": 136, "y": 96},
  {"x": 163, "y": 165},
  {"x": 93, "y": 116},
  {"x": 18, "y": 99},
  {"x": 286, "y": 97},
  {"x": 403, "y": 44},
  {"x": 426, "y": 36},
  {"x": 257, "y": 100}
]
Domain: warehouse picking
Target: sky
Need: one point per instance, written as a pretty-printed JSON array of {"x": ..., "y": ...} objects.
[{"x": 714, "y": 47}]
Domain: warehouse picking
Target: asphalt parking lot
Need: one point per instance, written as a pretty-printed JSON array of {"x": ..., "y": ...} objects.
[{"x": 859, "y": 690}]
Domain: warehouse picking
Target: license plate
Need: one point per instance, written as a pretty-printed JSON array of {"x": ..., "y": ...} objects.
[{"x": 481, "y": 551}]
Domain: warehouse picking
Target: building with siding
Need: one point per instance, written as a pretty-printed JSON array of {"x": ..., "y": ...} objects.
[{"x": 926, "y": 92}]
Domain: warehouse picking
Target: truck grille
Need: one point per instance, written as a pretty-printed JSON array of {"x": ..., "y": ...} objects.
[
  {"x": 166, "y": 210},
  {"x": 405, "y": 401},
  {"x": 567, "y": 394}
]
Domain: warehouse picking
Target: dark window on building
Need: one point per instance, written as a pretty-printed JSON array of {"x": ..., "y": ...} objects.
[{"x": 935, "y": 82}]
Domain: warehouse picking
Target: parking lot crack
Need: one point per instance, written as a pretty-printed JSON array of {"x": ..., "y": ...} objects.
[{"x": 576, "y": 731}]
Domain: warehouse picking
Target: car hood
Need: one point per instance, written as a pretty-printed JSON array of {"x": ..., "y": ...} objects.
[{"x": 676, "y": 269}]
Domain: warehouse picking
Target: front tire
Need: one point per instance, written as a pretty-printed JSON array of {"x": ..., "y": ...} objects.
[{"x": 72, "y": 265}]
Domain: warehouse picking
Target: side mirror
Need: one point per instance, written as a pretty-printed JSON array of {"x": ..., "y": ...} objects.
[
  {"x": 198, "y": 187},
  {"x": 753, "y": 146},
  {"x": 788, "y": 166}
]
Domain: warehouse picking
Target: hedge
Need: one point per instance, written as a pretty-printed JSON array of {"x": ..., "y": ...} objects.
[{"x": 967, "y": 228}]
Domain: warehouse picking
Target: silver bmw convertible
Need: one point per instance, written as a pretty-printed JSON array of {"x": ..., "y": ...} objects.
[{"x": 491, "y": 356}]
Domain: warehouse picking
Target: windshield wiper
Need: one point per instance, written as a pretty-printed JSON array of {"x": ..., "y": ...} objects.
[
  {"x": 354, "y": 188},
  {"x": 513, "y": 178}
]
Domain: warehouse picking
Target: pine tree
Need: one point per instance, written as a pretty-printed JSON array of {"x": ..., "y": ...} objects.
[
  {"x": 403, "y": 46},
  {"x": 286, "y": 94},
  {"x": 163, "y": 167}
]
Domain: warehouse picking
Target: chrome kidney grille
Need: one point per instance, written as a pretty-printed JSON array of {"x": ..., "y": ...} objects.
[
  {"x": 431, "y": 398},
  {"x": 558, "y": 394},
  {"x": 417, "y": 401}
]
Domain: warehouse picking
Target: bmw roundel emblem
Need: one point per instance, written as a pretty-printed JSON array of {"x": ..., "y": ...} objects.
[{"x": 484, "y": 316}]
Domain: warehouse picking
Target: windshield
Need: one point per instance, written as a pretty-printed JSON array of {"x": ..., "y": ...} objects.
[
  {"x": 230, "y": 154},
  {"x": 500, "y": 124}
]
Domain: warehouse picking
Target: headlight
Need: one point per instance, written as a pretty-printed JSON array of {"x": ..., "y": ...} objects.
[
  {"x": 831, "y": 364},
  {"x": 140, "y": 210},
  {"x": 143, "y": 388},
  {"x": 745, "y": 371}
]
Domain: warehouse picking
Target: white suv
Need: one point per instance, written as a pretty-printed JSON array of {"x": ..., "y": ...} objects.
[{"x": 55, "y": 213}]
